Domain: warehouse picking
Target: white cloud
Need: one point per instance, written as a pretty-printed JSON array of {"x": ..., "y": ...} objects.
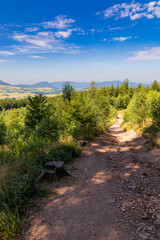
[
  {"x": 32, "y": 40},
  {"x": 104, "y": 40},
  {"x": 40, "y": 39},
  {"x": 61, "y": 22},
  {"x": 32, "y": 29},
  {"x": 92, "y": 30},
  {"x": 134, "y": 10},
  {"x": 121, "y": 39},
  {"x": 43, "y": 42},
  {"x": 38, "y": 57},
  {"x": 64, "y": 34},
  {"x": 150, "y": 54},
  {"x": 115, "y": 28},
  {"x": 67, "y": 33},
  {"x": 7, "y": 53}
]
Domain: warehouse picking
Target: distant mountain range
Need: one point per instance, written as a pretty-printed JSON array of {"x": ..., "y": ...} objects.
[{"x": 76, "y": 85}]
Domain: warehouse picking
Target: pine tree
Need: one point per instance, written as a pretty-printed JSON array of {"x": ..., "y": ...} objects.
[{"x": 36, "y": 110}]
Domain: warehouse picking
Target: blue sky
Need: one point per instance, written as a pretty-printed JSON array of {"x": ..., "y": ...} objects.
[{"x": 79, "y": 40}]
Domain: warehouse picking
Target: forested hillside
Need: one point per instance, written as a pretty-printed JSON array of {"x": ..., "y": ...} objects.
[{"x": 40, "y": 129}]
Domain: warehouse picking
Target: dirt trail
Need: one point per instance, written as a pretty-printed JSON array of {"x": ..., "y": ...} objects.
[{"x": 107, "y": 199}]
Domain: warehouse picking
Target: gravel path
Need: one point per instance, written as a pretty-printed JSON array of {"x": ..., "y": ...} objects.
[{"x": 106, "y": 200}]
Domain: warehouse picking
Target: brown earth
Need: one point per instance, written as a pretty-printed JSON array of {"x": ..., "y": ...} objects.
[{"x": 114, "y": 196}]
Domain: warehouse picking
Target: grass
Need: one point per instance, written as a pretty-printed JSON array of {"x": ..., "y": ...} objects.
[
  {"x": 10, "y": 224},
  {"x": 18, "y": 182},
  {"x": 20, "y": 92},
  {"x": 46, "y": 192},
  {"x": 147, "y": 129},
  {"x": 121, "y": 112},
  {"x": 153, "y": 134}
]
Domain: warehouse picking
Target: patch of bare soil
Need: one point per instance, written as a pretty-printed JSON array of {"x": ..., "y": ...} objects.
[{"x": 114, "y": 196}]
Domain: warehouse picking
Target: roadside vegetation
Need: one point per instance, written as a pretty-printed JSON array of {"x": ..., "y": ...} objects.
[
  {"x": 39, "y": 129},
  {"x": 143, "y": 112}
]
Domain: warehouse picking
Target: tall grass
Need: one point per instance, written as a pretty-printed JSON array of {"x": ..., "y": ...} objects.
[{"x": 10, "y": 224}]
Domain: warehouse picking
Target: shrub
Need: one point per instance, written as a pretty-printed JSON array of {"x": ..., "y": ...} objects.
[
  {"x": 155, "y": 111},
  {"x": 3, "y": 131},
  {"x": 65, "y": 152},
  {"x": 137, "y": 110}
]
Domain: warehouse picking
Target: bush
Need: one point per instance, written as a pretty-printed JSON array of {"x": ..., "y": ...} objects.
[
  {"x": 137, "y": 110},
  {"x": 155, "y": 111},
  {"x": 65, "y": 152},
  {"x": 3, "y": 131}
]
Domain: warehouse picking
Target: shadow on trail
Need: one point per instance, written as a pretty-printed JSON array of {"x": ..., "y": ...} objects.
[{"x": 84, "y": 208}]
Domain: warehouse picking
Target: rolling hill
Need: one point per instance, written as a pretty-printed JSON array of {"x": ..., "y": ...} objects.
[{"x": 59, "y": 85}]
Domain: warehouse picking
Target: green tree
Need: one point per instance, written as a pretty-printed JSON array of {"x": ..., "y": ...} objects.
[
  {"x": 155, "y": 110},
  {"x": 137, "y": 110},
  {"x": 3, "y": 130},
  {"x": 37, "y": 109},
  {"x": 125, "y": 86},
  {"x": 155, "y": 85},
  {"x": 67, "y": 91}
]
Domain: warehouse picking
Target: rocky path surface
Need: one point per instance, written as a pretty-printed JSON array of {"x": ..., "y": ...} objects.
[{"x": 114, "y": 196}]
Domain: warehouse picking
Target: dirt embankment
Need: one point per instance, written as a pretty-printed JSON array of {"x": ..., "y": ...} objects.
[{"x": 115, "y": 196}]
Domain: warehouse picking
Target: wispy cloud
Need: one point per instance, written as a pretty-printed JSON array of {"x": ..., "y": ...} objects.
[
  {"x": 115, "y": 28},
  {"x": 133, "y": 10},
  {"x": 3, "y": 61},
  {"x": 67, "y": 33},
  {"x": 39, "y": 39},
  {"x": 44, "y": 37},
  {"x": 60, "y": 22},
  {"x": 7, "y": 53},
  {"x": 31, "y": 29},
  {"x": 38, "y": 57},
  {"x": 121, "y": 39},
  {"x": 150, "y": 54},
  {"x": 44, "y": 42}
]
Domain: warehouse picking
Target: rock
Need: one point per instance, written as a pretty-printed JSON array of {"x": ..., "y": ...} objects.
[
  {"x": 69, "y": 172},
  {"x": 158, "y": 215},
  {"x": 145, "y": 216},
  {"x": 147, "y": 192}
]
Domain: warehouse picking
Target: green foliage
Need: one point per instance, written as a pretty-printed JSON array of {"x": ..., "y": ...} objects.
[
  {"x": 155, "y": 86},
  {"x": 67, "y": 92},
  {"x": 37, "y": 110},
  {"x": 48, "y": 128},
  {"x": 155, "y": 111},
  {"x": 137, "y": 110},
  {"x": 3, "y": 131},
  {"x": 32, "y": 135},
  {"x": 17, "y": 190},
  {"x": 12, "y": 103},
  {"x": 125, "y": 86},
  {"x": 65, "y": 152},
  {"x": 45, "y": 192},
  {"x": 10, "y": 224}
]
